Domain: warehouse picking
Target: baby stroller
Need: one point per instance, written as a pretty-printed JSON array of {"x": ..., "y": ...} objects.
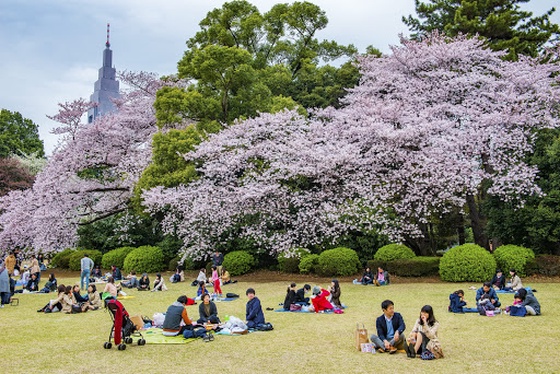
[{"x": 123, "y": 328}]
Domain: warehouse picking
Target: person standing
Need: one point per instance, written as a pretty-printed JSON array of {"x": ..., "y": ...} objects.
[
  {"x": 4, "y": 286},
  {"x": 390, "y": 328},
  {"x": 35, "y": 269},
  {"x": 218, "y": 260},
  {"x": 11, "y": 263},
  {"x": 86, "y": 265}
]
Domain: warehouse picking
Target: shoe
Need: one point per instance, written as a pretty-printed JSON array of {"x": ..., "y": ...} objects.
[
  {"x": 380, "y": 350},
  {"x": 412, "y": 351},
  {"x": 392, "y": 350},
  {"x": 211, "y": 337}
]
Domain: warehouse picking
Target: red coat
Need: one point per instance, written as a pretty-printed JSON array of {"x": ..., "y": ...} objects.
[{"x": 320, "y": 301}]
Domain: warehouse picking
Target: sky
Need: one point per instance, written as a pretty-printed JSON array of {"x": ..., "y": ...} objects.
[{"x": 51, "y": 50}]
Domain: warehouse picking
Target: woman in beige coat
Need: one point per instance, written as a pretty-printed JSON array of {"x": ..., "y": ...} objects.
[{"x": 424, "y": 335}]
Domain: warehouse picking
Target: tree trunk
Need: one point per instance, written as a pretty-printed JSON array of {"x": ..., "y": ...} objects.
[{"x": 478, "y": 222}]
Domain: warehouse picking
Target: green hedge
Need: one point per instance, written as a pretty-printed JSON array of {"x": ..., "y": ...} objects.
[
  {"x": 338, "y": 262},
  {"x": 308, "y": 263},
  {"x": 145, "y": 259},
  {"x": 238, "y": 262},
  {"x": 62, "y": 259},
  {"x": 513, "y": 257},
  {"x": 392, "y": 252},
  {"x": 116, "y": 257},
  {"x": 467, "y": 263},
  {"x": 547, "y": 265},
  {"x": 291, "y": 264},
  {"x": 409, "y": 267},
  {"x": 76, "y": 258}
]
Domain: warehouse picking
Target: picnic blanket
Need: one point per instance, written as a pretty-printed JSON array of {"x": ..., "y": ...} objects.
[
  {"x": 120, "y": 297},
  {"x": 155, "y": 335}
]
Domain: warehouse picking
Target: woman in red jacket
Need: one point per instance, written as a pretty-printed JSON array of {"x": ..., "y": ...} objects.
[{"x": 320, "y": 302}]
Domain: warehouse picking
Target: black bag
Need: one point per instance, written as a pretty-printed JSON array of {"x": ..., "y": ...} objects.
[
  {"x": 265, "y": 327},
  {"x": 230, "y": 295}
]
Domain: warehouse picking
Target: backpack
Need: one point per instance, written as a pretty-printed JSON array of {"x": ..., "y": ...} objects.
[
  {"x": 265, "y": 327},
  {"x": 230, "y": 295},
  {"x": 517, "y": 311}
]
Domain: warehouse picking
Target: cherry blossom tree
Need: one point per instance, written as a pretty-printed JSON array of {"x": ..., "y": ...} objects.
[
  {"x": 429, "y": 127},
  {"x": 91, "y": 174}
]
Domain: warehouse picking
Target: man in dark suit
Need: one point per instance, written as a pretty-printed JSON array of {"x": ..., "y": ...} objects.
[{"x": 390, "y": 329}]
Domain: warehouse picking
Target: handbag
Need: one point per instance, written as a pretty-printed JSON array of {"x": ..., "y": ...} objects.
[
  {"x": 361, "y": 336},
  {"x": 295, "y": 307}
]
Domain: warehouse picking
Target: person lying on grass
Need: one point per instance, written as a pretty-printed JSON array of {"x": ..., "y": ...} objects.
[
  {"x": 390, "y": 327},
  {"x": 424, "y": 335}
]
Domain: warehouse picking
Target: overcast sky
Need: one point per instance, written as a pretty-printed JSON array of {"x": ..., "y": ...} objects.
[{"x": 51, "y": 50}]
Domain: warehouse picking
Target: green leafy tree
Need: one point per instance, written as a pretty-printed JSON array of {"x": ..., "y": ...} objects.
[
  {"x": 243, "y": 62},
  {"x": 502, "y": 22},
  {"x": 18, "y": 135}
]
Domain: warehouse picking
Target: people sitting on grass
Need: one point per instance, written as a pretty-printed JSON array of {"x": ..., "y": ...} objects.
[
  {"x": 96, "y": 273},
  {"x": 514, "y": 284},
  {"x": 254, "y": 316},
  {"x": 159, "y": 284},
  {"x": 57, "y": 305},
  {"x": 111, "y": 288},
  {"x": 131, "y": 281},
  {"x": 177, "y": 321},
  {"x": 25, "y": 275},
  {"x": 33, "y": 283},
  {"x": 51, "y": 284},
  {"x": 291, "y": 296},
  {"x": 300, "y": 295},
  {"x": 201, "y": 277},
  {"x": 77, "y": 296},
  {"x": 486, "y": 292},
  {"x": 179, "y": 275},
  {"x": 208, "y": 311},
  {"x": 390, "y": 328},
  {"x": 381, "y": 277},
  {"x": 94, "y": 300},
  {"x": 116, "y": 273},
  {"x": 319, "y": 300},
  {"x": 335, "y": 292},
  {"x": 77, "y": 306},
  {"x": 367, "y": 277},
  {"x": 423, "y": 336},
  {"x": 201, "y": 290},
  {"x": 457, "y": 303},
  {"x": 225, "y": 277},
  {"x": 216, "y": 281},
  {"x": 144, "y": 283},
  {"x": 499, "y": 280},
  {"x": 526, "y": 299}
]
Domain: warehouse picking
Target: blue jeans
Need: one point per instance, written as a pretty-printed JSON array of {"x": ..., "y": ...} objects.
[
  {"x": 85, "y": 275},
  {"x": 378, "y": 343}
]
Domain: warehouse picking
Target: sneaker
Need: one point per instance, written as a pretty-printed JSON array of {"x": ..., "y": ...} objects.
[
  {"x": 206, "y": 338},
  {"x": 392, "y": 350},
  {"x": 211, "y": 337}
]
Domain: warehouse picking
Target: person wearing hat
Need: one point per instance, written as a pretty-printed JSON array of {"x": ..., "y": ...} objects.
[
  {"x": 320, "y": 302},
  {"x": 254, "y": 315}
]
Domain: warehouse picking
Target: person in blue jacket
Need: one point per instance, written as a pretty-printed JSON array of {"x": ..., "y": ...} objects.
[
  {"x": 254, "y": 315},
  {"x": 492, "y": 295},
  {"x": 390, "y": 329},
  {"x": 457, "y": 303}
]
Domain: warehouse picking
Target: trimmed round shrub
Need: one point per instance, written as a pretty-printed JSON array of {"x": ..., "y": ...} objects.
[
  {"x": 513, "y": 257},
  {"x": 145, "y": 259},
  {"x": 62, "y": 259},
  {"x": 308, "y": 264},
  {"x": 238, "y": 262},
  {"x": 338, "y": 261},
  {"x": 291, "y": 264},
  {"x": 392, "y": 252},
  {"x": 467, "y": 263},
  {"x": 116, "y": 257},
  {"x": 76, "y": 258}
]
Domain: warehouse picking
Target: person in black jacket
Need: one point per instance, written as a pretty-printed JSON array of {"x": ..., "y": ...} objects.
[
  {"x": 499, "y": 280},
  {"x": 291, "y": 296},
  {"x": 32, "y": 284},
  {"x": 300, "y": 295},
  {"x": 367, "y": 277},
  {"x": 390, "y": 329},
  {"x": 144, "y": 283}
]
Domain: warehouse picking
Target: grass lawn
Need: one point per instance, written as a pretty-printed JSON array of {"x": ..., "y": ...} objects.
[{"x": 300, "y": 342}]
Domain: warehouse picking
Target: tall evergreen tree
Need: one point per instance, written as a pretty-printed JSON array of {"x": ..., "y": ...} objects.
[{"x": 502, "y": 22}]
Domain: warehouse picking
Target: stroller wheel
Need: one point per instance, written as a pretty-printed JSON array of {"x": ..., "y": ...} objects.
[
  {"x": 141, "y": 342},
  {"x": 128, "y": 340},
  {"x": 121, "y": 347},
  {"x": 107, "y": 345}
]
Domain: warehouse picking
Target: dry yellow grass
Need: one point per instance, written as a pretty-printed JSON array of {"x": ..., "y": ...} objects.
[{"x": 300, "y": 342}]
